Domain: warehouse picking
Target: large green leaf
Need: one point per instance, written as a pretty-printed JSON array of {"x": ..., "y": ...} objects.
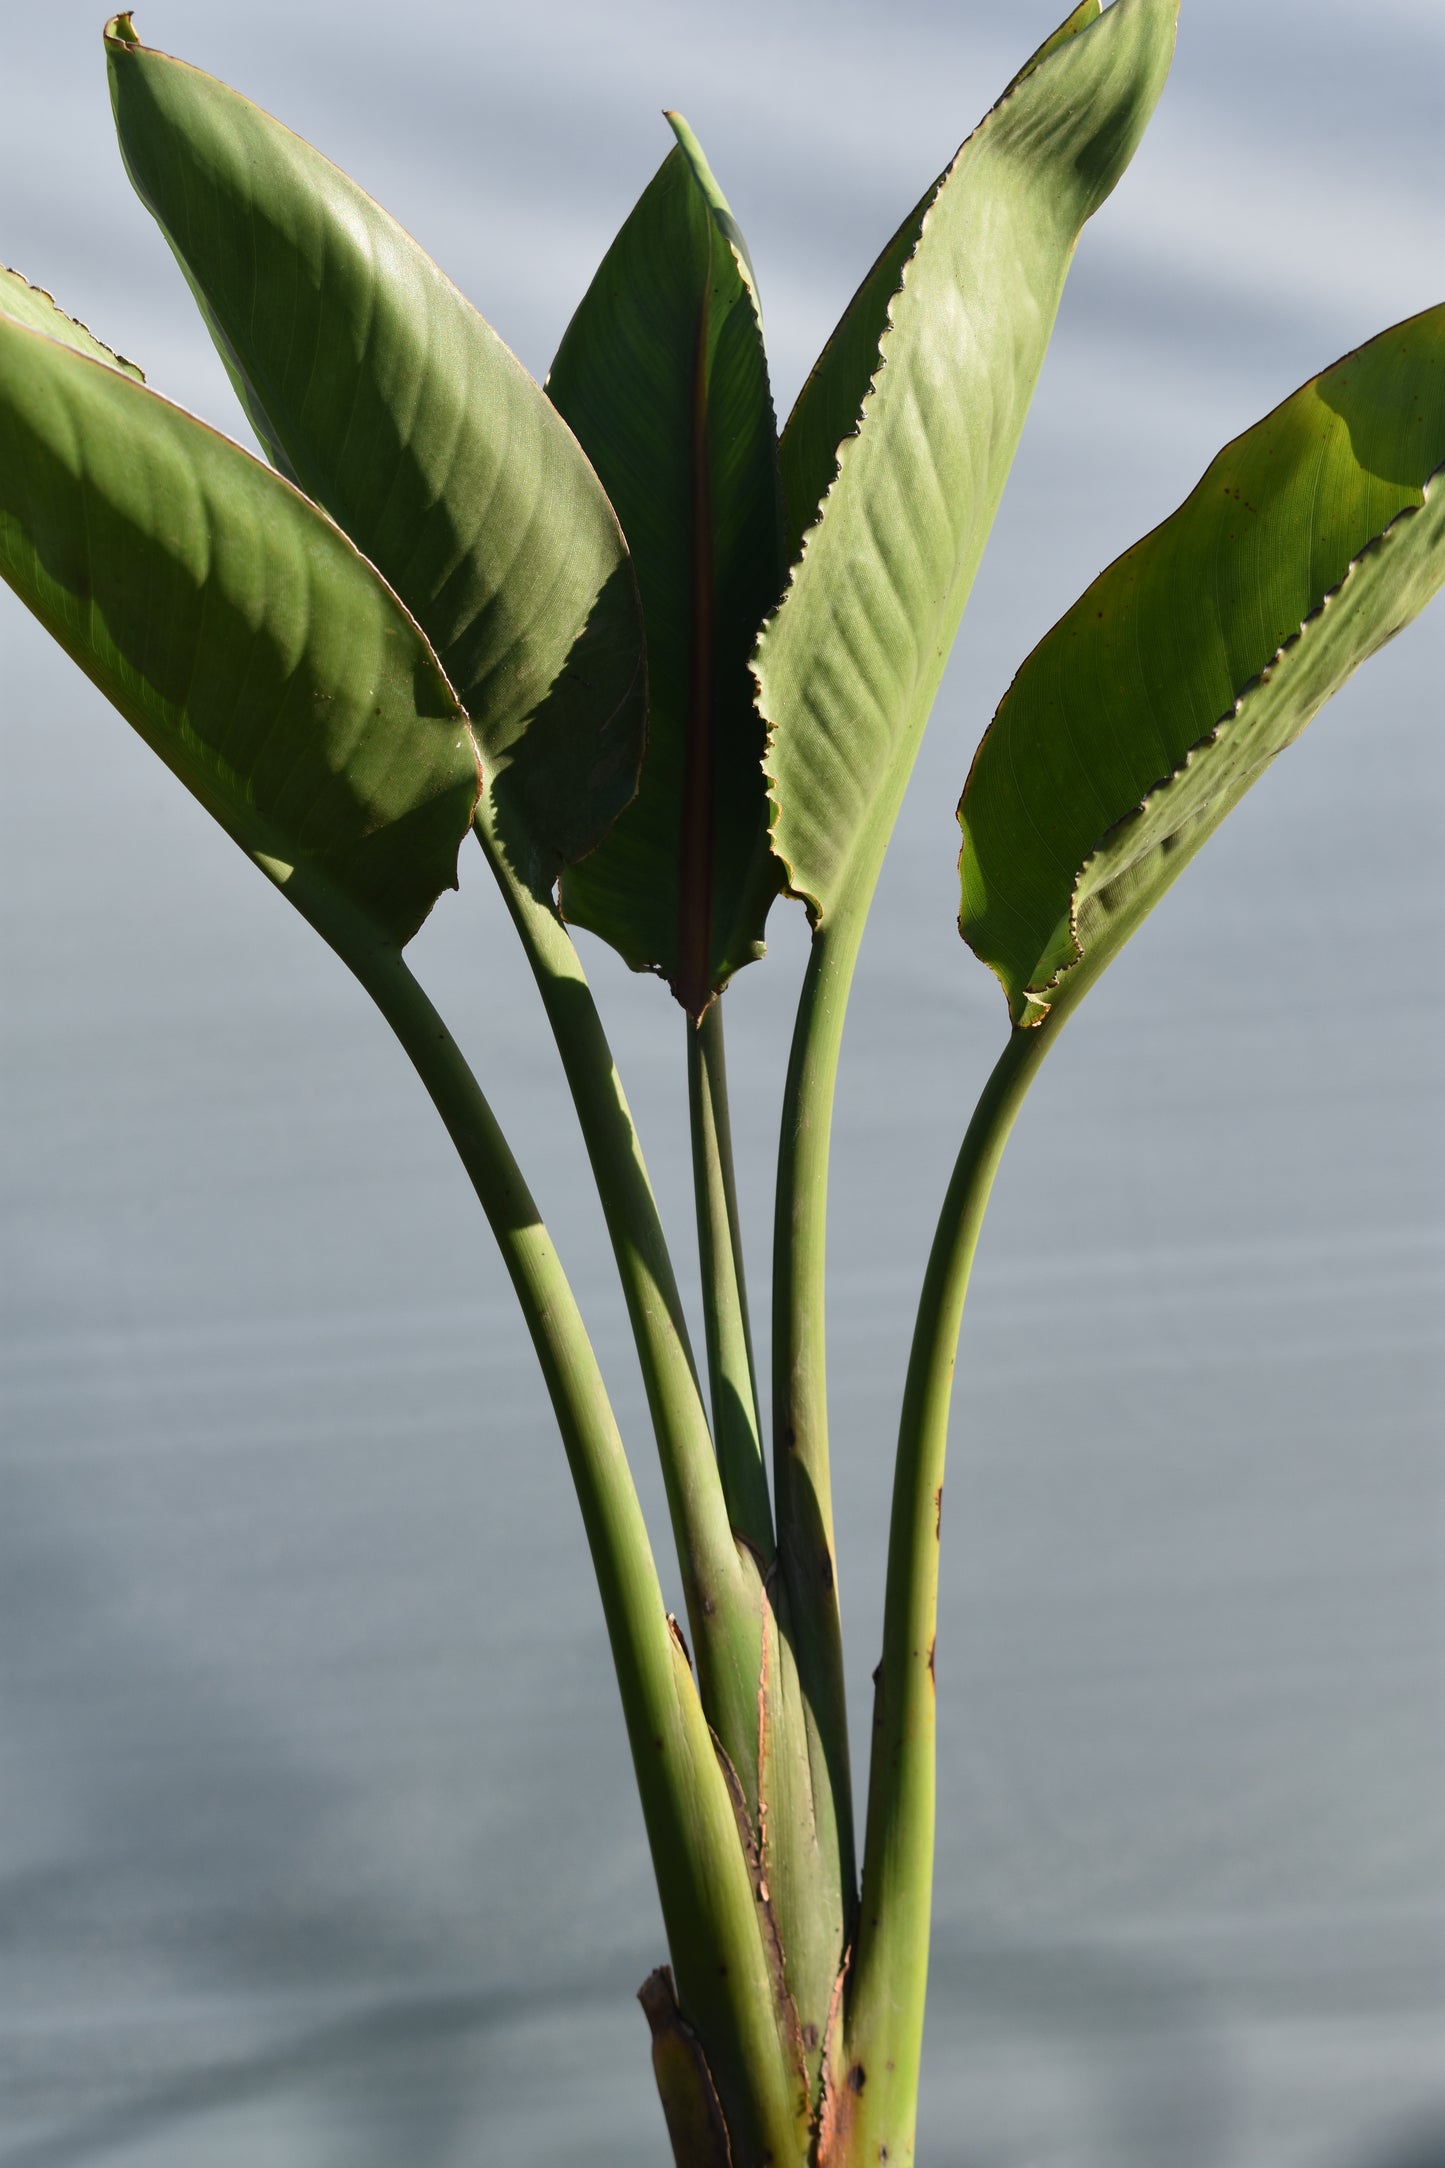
[
  {"x": 933, "y": 378},
  {"x": 238, "y": 630},
  {"x": 663, "y": 377},
  {"x": 1147, "y": 712},
  {"x": 376, "y": 386},
  {"x": 32, "y": 305}
]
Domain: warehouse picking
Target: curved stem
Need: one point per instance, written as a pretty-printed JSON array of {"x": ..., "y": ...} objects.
[
  {"x": 708, "y": 1904},
  {"x": 737, "y": 1425},
  {"x": 883, "y": 2024},
  {"x": 802, "y": 1484},
  {"x": 721, "y": 1587}
]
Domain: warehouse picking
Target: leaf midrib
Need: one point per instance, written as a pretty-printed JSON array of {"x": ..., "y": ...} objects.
[{"x": 697, "y": 838}]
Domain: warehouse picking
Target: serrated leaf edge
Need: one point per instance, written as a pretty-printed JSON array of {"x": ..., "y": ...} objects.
[
  {"x": 1038, "y": 996},
  {"x": 127, "y": 367},
  {"x": 1037, "y": 62}
]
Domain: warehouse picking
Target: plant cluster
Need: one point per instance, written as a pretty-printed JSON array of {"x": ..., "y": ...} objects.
[{"x": 667, "y": 666}]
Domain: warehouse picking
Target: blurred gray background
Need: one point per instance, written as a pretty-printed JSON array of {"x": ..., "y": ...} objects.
[{"x": 317, "y": 1841}]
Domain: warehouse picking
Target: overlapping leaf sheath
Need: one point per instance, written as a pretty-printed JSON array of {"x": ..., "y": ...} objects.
[
  {"x": 1147, "y": 712},
  {"x": 375, "y": 384},
  {"x": 663, "y": 377},
  {"x": 236, "y": 627},
  {"x": 932, "y": 376}
]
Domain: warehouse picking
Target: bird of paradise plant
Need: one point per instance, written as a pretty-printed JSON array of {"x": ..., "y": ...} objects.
[{"x": 667, "y": 666}]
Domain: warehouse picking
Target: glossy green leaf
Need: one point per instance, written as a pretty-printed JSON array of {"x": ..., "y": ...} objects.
[
  {"x": 663, "y": 377},
  {"x": 1147, "y": 712},
  {"x": 374, "y": 384},
  {"x": 32, "y": 305},
  {"x": 942, "y": 368},
  {"x": 238, "y": 630}
]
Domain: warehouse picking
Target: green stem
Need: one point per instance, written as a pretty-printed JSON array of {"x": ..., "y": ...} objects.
[
  {"x": 709, "y": 1908},
  {"x": 721, "y": 1587},
  {"x": 737, "y": 1426},
  {"x": 876, "y": 2071},
  {"x": 802, "y": 1484}
]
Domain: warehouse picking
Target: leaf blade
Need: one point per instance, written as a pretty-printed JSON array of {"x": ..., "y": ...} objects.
[
  {"x": 848, "y": 667},
  {"x": 1143, "y": 716},
  {"x": 377, "y": 387},
  {"x": 663, "y": 376},
  {"x": 237, "y": 630}
]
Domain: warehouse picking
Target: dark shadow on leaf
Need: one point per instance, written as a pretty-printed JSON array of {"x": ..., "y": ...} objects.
[
  {"x": 1367, "y": 400},
  {"x": 574, "y": 767}
]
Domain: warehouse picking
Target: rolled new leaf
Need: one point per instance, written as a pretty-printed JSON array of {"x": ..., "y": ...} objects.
[
  {"x": 1151, "y": 707},
  {"x": 932, "y": 378},
  {"x": 239, "y": 631},
  {"x": 378, "y": 388},
  {"x": 663, "y": 377}
]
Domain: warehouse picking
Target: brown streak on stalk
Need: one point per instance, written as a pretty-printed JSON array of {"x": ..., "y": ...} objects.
[
  {"x": 833, "y": 2113},
  {"x": 747, "y": 1836},
  {"x": 694, "y": 944},
  {"x": 765, "y": 1682},
  {"x": 784, "y": 2004},
  {"x": 835, "y": 2125}
]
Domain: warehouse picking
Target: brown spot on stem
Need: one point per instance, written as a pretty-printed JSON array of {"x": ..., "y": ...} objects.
[
  {"x": 932, "y": 1678},
  {"x": 938, "y": 1513},
  {"x": 857, "y": 2078}
]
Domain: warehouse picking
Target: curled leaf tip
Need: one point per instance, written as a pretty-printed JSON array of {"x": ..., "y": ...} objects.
[{"x": 120, "y": 30}]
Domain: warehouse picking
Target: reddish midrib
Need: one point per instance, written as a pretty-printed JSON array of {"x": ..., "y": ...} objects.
[{"x": 693, "y": 985}]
